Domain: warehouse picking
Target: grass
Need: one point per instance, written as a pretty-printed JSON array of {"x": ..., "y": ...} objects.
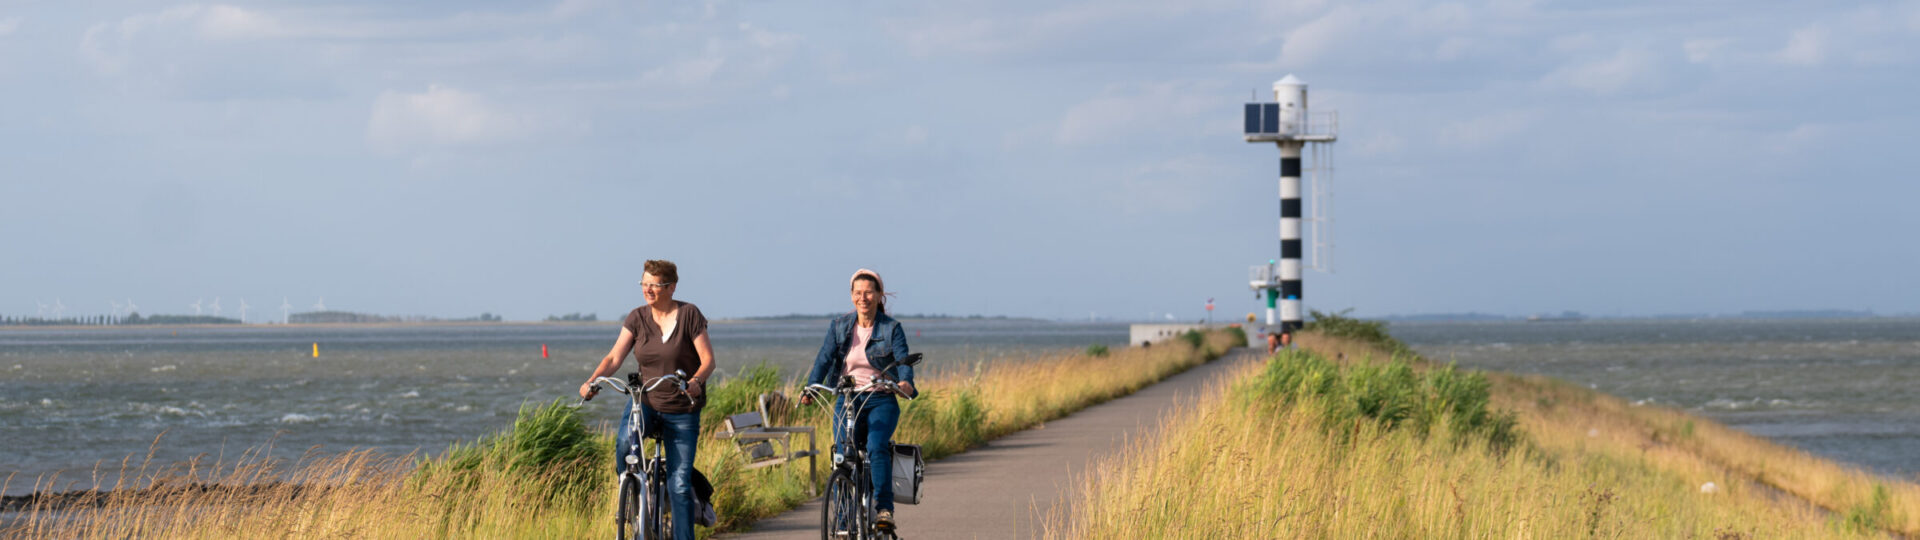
[
  {"x": 548, "y": 475},
  {"x": 1562, "y": 416},
  {"x": 1329, "y": 443},
  {"x": 1391, "y": 394}
]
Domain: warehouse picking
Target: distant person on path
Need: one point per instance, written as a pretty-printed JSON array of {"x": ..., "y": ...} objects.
[
  {"x": 1279, "y": 340},
  {"x": 665, "y": 336},
  {"x": 865, "y": 344}
]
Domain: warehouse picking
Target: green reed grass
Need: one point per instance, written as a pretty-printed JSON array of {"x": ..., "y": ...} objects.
[
  {"x": 1390, "y": 393},
  {"x": 1339, "y": 325}
]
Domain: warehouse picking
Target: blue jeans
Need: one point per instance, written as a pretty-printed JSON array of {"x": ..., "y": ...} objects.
[
  {"x": 874, "y": 422},
  {"x": 680, "y": 432}
]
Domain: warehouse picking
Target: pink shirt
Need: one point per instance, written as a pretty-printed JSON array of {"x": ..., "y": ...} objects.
[{"x": 857, "y": 365}]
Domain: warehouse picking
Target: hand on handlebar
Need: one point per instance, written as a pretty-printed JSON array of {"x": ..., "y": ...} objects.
[
  {"x": 806, "y": 394},
  {"x": 587, "y": 390}
]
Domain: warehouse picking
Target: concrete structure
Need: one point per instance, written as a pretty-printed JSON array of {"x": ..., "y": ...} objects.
[{"x": 1143, "y": 333}]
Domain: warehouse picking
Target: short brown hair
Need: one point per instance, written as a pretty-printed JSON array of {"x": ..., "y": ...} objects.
[{"x": 667, "y": 272}]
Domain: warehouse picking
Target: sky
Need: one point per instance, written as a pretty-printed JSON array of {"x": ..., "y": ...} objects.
[{"x": 1039, "y": 159}]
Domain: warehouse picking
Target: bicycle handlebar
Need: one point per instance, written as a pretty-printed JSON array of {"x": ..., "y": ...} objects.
[
  {"x": 885, "y": 384},
  {"x": 678, "y": 378}
]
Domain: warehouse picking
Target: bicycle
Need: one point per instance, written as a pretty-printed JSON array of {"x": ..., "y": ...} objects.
[
  {"x": 849, "y": 509},
  {"x": 643, "y": 506}
]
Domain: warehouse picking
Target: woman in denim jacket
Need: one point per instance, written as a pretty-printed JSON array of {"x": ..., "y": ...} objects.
[{"x": 881, "y": 344}]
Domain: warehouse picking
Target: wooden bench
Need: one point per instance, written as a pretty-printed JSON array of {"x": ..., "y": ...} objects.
[{"x": 766, "y": 446}]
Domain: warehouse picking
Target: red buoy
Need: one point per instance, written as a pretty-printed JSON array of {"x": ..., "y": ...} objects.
[{"x": 543, "y": 350}]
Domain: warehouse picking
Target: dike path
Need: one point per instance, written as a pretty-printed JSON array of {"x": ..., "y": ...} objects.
[{"x": 1007, "y": 487}]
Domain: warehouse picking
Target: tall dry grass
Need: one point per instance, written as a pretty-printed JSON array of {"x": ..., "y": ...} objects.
[
  {"x": 1566, "y": 418},
  {"x": 1590, "y": 466},
  {"x": 548, "y": 476}
]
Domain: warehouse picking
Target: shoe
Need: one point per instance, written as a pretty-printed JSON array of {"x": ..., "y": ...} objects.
[{"x": 883, "y": 521}]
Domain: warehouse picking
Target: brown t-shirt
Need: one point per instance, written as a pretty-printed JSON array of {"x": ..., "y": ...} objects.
[{"x": 659, "y": 358}]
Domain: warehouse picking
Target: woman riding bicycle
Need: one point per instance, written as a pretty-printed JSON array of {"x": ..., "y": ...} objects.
[
  {"x": 881, "y": 343},
  {"x": 665, "y": 336}
]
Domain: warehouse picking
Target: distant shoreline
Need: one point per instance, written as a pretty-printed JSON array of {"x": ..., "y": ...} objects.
[
  {"x": 304, "y": 325},
  {"x": 426, "y": 324}
]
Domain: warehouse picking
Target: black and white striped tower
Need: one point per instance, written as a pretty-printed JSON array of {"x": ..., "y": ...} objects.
[{"x": 1285, "y": 123}]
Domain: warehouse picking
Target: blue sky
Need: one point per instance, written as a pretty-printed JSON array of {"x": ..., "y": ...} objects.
[{"x": 1056, "y": 160}]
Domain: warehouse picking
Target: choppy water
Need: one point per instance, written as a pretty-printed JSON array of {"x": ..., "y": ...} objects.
[
  {"x": 76, "y": 397},
  {"x": 1845, "y": 389}
]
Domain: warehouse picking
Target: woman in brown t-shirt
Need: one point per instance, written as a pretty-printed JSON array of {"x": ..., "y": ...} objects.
[{"x": 665, "y": 336}]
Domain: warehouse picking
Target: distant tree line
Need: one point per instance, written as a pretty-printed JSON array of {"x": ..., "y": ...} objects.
[
  {"x": 179, "y": 319},
  {"x": 92, "y": 320},
  {"x": 573, "y": 317}
]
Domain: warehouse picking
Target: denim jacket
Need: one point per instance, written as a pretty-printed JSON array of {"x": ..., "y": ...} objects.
[{"x": 887, "y": 345}]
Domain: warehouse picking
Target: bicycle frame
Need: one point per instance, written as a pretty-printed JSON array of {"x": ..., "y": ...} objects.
[
  {"x": 643, "y": 485},
  {"x": 850, "y": 459}
]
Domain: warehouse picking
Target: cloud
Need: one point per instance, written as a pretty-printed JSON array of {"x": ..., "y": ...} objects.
[
  {"x": 442, "y": 117},
  {"x": 1028, "y": 32},
  {"x": 734, "y": 57},
  {"x": 229, "y": 22},
  {"x": 567, "y": 9},
  {"x": 1383, "y": 32},
  {"x": 108, "y": 46},
  {"x": 1705, "y": 50},
  {"x": 1807, "y": 46},
  {"x": 1162, "y": 109},
  {"x": 1632, "y": 68}
]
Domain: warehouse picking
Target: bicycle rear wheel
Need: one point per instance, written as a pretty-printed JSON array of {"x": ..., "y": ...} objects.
[
  {"x": 840, "y": 510},
  {"x": 627, "y": 521}
]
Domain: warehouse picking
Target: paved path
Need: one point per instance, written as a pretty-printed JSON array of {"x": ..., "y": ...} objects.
[{"x": 1006, "y": 488}]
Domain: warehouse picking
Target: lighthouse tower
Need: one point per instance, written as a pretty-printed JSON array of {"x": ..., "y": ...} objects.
[{"x": 1285, "y": 123}]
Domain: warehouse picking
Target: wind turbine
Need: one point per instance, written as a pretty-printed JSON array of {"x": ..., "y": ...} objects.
[
  {"x": 42, "y": 312},
  {"x": 286, "y": 311},
  {"x": 196, "y": 306},
  {"x": 131, "y": 307},
  {"x": 243, "y": 311},
  {"x": 216, "y": 306},
  {"x": 58, "y": 308},
  {"x": 320, "y": 305},
  {"x": 116, "y": 307}
]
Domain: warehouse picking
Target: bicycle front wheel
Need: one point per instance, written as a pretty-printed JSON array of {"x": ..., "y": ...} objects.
[
  {"x": 840, "y": 510},
  {"x": 627, "y": 521},
  {"x": 659, "y": 512}
]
